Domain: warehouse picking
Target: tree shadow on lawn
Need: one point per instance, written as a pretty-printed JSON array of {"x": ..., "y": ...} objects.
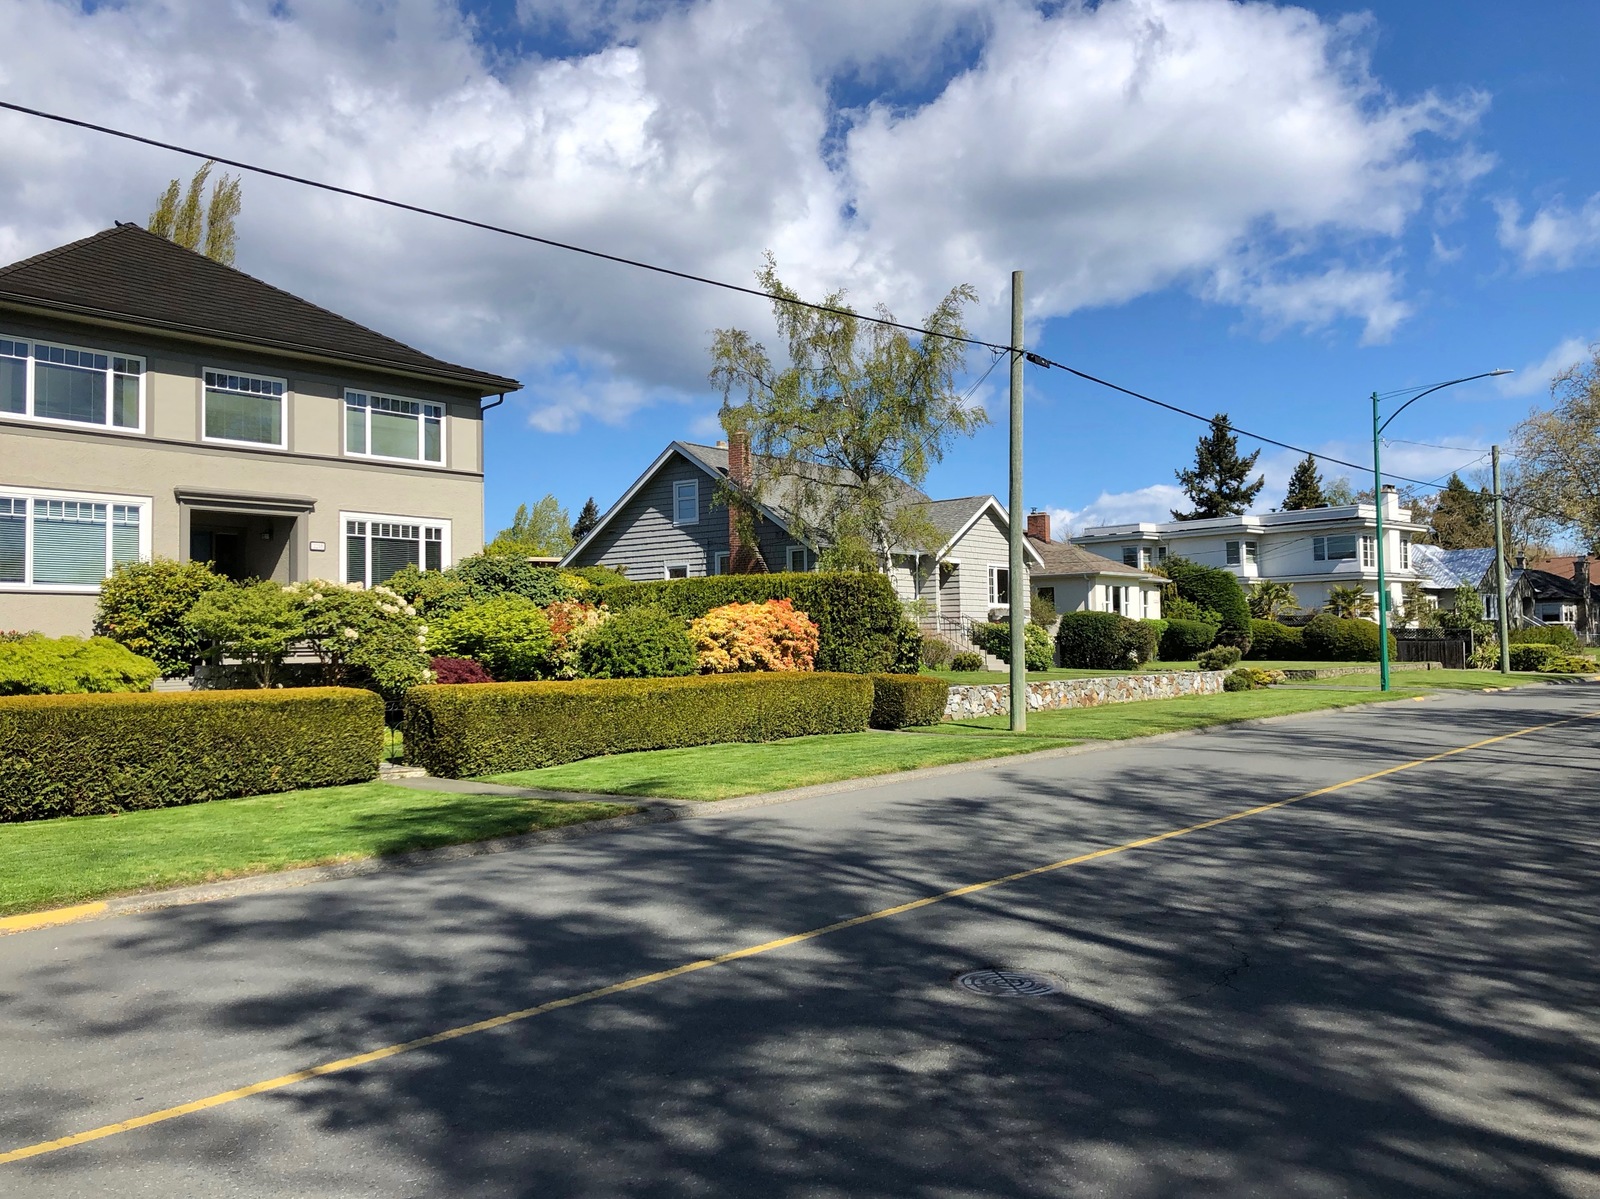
[{"x": 1388, "y": 990}]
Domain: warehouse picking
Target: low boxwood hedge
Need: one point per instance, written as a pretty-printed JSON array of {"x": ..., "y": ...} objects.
[
  {"x": 1271, "y": 641},
  {"x": 1343, "y": 639},
  {"x": 457, "y": 732},
  {"x": 82, "y": 755},
  {"x": 1535, "y": 656},
  {"x": 902, "y": 701}
]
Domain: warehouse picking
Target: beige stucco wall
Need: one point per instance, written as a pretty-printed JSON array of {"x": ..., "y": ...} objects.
[{"x": 168, "y": 454}]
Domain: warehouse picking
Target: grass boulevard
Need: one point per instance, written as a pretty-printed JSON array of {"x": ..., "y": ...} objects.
[{"x": 49, "y": 863}]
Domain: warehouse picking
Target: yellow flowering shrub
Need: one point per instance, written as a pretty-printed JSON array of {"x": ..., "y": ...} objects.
[{"x": 742, "y": 637}]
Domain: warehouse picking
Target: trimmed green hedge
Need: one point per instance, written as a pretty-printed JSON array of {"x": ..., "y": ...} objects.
[
  {"x": 84, "y": 755},
  {"x": 861, "y": 627},
  {"x": 1272, "y": 641},
  {"x": 995, "y": 637},
  {"x": 1214, "y": 588},
  {"x": 1185, "y": 640},
  {"x": 1556, "y": 634},
  {"x": 1343, "y": 639},
  {"x": 1535, "y": 656},
  {"x": 458, "y": 732},
  {"x": 901, "y": 701},
  {"x": 1103, "y": 641}
]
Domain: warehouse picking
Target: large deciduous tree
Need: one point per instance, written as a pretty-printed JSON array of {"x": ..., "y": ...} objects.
[
  {"x": 1305, "y": 487},
  {"x": 1558, "y": 453},
  {"x": 1218, "y": 484},
  {"x": 855, "y": 416},
  {"x": 542, "y": 531},
  {"x": 186, "y": 217}
]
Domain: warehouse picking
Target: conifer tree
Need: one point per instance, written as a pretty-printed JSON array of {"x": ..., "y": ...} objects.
[
  {"x": 1305, "y": 487},
  {"x": 588, "y": 518},
  {"x": 1462, "y": 517},
  {"x": 1219, "y": 482}
]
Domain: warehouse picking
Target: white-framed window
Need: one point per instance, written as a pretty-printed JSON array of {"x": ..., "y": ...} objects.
[
  {"x": 1161, "y": 554},
  {"x": 999, "y": 586},
  {"x": 377, "y": 545},
  {"x": 1405, "y": 551},
  {"x": 384, "y": 426},
  {"x": 674, "y": 570},
  {"x": 1130, "y": 555},
  {"x": 720, "y": 560},
  {"x": 1490, "y": 610},
  {"x": 68, "y": 540},
  {"x": 244, "y": 409},
  {"x": 1251, "y": 553},
  {"x": 1369, "y": 551},
  {"x": 71, "y": 385},
  {"x": 1231, "y": 550},
  {"x": 1340, "y": 548},
  {"x": 686, "y": 502},
  {"x": 794, "y": 558}
]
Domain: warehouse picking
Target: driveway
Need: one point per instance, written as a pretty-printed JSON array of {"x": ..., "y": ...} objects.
[{"x": 1386, "y": 988}]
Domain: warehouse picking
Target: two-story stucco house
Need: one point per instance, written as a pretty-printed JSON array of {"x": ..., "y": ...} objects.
[
  {"x": 671, "y": 524},
  {"x": 156, "y": 403},
  {"x": 1312, "y": 550}
]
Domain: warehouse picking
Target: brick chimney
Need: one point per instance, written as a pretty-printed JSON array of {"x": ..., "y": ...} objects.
[
  {"x": 1039, "y": 525},
  {"x": 742, "y": 559}
]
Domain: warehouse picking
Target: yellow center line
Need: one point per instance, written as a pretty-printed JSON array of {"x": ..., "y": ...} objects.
[{"x": 644, "y": 980}]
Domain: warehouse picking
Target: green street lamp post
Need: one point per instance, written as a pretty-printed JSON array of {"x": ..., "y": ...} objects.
[{"x": 1378, "y": 426}]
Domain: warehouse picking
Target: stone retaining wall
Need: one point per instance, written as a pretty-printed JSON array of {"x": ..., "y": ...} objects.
[{"x": 994, "y": 699}]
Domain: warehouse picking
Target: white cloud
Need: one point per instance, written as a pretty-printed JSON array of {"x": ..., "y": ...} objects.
[
  {"x": 1555, "y": 237},
  {"x": 1534, "y": 379},
  {"x": 1111, "y": 150},
  {"x": 1153, "y": 503}
]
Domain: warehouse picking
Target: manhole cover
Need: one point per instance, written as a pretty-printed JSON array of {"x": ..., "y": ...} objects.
[{"x": 1007, "y": 983}]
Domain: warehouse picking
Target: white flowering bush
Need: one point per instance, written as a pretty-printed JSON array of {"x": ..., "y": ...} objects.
[{"x": 365, "y": 636}]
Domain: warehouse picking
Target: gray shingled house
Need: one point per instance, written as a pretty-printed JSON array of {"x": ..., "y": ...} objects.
[
  {"x": 670, "y": 524},
  {"x": 153, "y": 402}
]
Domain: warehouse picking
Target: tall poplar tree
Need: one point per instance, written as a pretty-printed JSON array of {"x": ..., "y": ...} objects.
[
  {"x": 186, "y": 217},
  {"x": 1305, "y": 487},
  {"x": 1219, "y": 482}
]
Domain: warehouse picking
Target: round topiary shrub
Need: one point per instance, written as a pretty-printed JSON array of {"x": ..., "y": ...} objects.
[
  {"x": 1337, "y": 639},
  {"x": 936, "y": 652},
  {"x": 1096, "y": 641},
  {"x": 1184, "y": 640},
  {"x": 966, "y": 661},
  {"x": 1273, "y": 641},
  {"x": 1218, "y": 657},
  {"x": 995, "y": 637},
  {"x": 639, "y": 643}
]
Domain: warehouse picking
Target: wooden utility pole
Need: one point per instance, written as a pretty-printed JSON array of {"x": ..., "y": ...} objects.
[
  {"x": 1500, "y": 564},
  {"x": 1019, "y": 591}
]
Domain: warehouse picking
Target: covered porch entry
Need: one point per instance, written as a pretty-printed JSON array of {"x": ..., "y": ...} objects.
[{"x": 246, "y": 535}]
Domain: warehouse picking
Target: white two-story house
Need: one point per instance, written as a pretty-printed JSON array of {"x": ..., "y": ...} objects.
[{"x": 1312, "y": 550}]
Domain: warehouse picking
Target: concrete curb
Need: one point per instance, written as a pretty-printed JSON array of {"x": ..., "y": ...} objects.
[{"x": 650, "y": 811}]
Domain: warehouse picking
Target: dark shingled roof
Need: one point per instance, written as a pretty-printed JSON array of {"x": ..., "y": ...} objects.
[{"x": 128, "y": 274}]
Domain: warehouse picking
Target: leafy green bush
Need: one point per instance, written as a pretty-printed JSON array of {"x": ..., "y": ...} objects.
[
  {"x": 39, "y": 665},
  {"x": 81, "y": 755},
  {"x": 1273, "y": 641},
  {"x": 1159, "y": 628},
  {"x": 597, "y": 576},
  {"x": 1555, "y": 634},
  {"x": 1218, "y": 657},
  {"x": 363, "y": 636},
  {"x": 995, "y": 638},
  {"x": 1335, "y": 639},
  {"x": 508, "y": 635},
  {"x": 1535, "y": 657},
  {"x": 1250, "y": 678},
  {"x": 640, "y": 643},
  {"x": 1214, "y": 588},
  {"x": 901, "y": 701},
  {"x": 1143, "y": 639},
  {"x": 142, "y": 606},
  {"x": 256, "y": 623},
  {"x": 966, "y": 662},
  {"x": 861, "y": 627},
  {"x": 458, "y": 732},
  {"x": 489, "y": 576},
  {"x": 1574, "y": 664},
  {"x": 936, "y": 652},
  {"x": 433, "y": 593},
  {"x": 1175, "y": 607},
  {"x": 1041, "y": 612},
  {"x": 1185, "y": 639},
  {"x": 1102, "y": 641}
]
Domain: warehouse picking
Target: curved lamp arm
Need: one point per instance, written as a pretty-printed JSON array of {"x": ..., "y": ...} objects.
[{"x": 1438, "y": 387}]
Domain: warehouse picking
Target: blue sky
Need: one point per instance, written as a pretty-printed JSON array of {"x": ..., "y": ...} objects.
[{"x": 1260, "y": 209}]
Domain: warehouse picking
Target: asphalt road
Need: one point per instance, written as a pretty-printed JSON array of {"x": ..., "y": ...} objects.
[{"x": 1387, "y": 989}]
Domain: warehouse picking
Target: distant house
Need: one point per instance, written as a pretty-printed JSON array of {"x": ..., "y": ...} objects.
[
  {"x": 1313, "y": 550},
  {"x": 1075, "y": 580},
  {"x": 670, "y": 524},
  {"x": 1540, "y": 597},
  {"x": 1441, "y": 572}
]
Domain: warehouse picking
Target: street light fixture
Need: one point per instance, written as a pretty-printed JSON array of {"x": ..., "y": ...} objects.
[{"x": 1377, "y": 501}]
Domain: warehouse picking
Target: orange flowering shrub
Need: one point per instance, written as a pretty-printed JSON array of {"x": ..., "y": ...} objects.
[
  {"x": 571, "y": 622},
  {"x": 740, "y": 637}
]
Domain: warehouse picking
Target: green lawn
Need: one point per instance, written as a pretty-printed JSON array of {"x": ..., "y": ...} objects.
[
  {"x": 46, "y": 863},
  {"x": 1062, "y": 672},
  {"x": 724, "y": 771}
]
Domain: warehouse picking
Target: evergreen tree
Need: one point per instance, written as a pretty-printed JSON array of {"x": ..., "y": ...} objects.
[
  {"x": 1219, "y": 482},
  {"x": 1462, "y": 517},
  {"x": 588, "y": 517},
  {"x": 1305, "y": 487},
  {"x": 185, "y": 217}
]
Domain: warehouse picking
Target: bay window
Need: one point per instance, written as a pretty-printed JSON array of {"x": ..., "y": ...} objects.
[
  {"x": 69, "y": 540},
  {"x": 376, "y": 547},
  {"x": 244, "y": 408},
  {"x": 41, "y": 381},
  {"x": 380, "y": 426}
]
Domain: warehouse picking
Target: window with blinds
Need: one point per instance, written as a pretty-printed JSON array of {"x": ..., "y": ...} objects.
[
  {"x": 380, "y": 426},
  {"x": 64, "y": 383},
  {"x": 376, "y": 548},
  {"x": 49, "y": 541},
  {"x": 244, "y": 408}
]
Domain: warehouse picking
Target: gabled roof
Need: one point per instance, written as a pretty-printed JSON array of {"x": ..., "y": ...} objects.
[
  {"x": 1543, "y": 585},
  {"x": 1563, "y": 566},
  {"x": 125, "y": 275},
  {"x": 1064, "y": 558},
  {"x": 1449, "y": 569}
]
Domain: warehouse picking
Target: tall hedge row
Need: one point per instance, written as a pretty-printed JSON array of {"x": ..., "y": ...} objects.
[
  {"x": 84, "y": 755},
  {"x": 456, "y": 732},
  {"x": 903, "y": 701},
  {"x": 861, "y": 626}
]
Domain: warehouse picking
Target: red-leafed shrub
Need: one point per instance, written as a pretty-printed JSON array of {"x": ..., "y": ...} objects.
[
  {"x": 458, "y": 670},
  {"x": 741, "y": 637}
]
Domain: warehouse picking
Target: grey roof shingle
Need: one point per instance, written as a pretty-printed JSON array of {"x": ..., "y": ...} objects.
[
  {"x": 128, "y": 274},
  {"x": 1064, "y": 558}
]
